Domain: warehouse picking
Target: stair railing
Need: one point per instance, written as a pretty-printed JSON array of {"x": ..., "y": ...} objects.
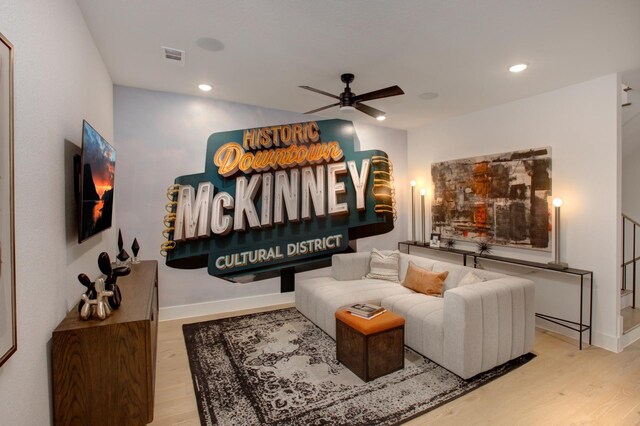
[{"x": 627, "y": 221}]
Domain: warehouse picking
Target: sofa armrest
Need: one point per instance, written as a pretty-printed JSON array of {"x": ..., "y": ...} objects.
[
  {"x": 350, "y": 266},
  {"x": 487, "y": 324}
]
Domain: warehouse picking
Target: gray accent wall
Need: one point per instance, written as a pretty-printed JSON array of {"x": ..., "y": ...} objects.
[{"x": 161, "y": 136}]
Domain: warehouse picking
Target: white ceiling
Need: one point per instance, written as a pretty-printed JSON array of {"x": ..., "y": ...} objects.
[{"x": 460, "y": 49}]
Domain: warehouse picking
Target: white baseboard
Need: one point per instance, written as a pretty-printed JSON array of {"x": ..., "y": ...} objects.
[
  {"x": 629, "y": 338},
  {"x": 604, "y": 341},
  {"x": 229, "y": 305}
]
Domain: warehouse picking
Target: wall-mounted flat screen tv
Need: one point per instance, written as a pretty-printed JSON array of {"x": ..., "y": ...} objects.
[{"x": 97, "y": 168}]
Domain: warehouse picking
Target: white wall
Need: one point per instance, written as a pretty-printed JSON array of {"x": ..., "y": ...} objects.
[
  {"x": 59, "y": 80},
  {"x": 162, "y": 136},
  {"x": 580, "y": 123}
]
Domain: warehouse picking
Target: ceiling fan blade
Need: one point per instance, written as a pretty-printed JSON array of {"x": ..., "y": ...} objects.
[
  {"x": 320, "y": 109},
  {"x": 378, "y": 94},
  {"x": 322, "y": 92},
  {"x": 375, "y": 113}
]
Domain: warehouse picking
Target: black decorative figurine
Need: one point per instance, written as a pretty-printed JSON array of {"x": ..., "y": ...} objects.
[
  {"x": 104, "y": 263},
  {"x": 135, "y": 248},
  {"x": 120, "y": 241},
  {"x": 122, "y": 255}
]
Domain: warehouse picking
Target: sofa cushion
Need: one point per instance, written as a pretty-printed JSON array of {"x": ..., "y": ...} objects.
[
  {"x": 424, "y": 319},
  {"x": 456, "y": 272},
  {"x": 384, "y": 265},
  {"x": 319, "y": 298},
  {"x": 469, "y": 279},
  {"x": 423, "y": 281},
  {"x": 350, "y": 266}
]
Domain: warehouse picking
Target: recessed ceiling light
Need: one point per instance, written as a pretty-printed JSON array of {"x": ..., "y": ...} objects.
[
  {"x": 204, "y": 87},
  {"x": 381, "y": 118},
  {"x": 518, "y": 67},
  {"x": 428, "y": 96}
]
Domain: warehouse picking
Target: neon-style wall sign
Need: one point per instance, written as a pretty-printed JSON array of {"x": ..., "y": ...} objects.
[{"x": 277, "y": 196}]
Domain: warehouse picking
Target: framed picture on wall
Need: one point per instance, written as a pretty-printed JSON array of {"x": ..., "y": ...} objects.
[
  {"x": 8, "y": 339},
  {"x": 503, "y": 199}
]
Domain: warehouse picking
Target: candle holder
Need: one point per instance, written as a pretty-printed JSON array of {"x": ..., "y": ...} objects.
[
  {"x": 413, "y": 212},
  {"x": 424, "y": 227},
  {"x": 556, "y": 263}
]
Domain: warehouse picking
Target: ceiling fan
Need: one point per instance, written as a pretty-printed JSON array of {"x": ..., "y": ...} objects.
[{"x": 349, "y": 101}]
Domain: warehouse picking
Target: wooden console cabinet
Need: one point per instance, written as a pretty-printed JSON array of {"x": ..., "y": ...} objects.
[{"x": 104, "y": 371}]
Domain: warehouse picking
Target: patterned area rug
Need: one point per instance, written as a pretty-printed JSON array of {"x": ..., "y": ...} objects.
[{"x": 278, "y": 368}]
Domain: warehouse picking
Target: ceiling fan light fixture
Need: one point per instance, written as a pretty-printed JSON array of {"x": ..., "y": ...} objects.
[
  {"x": 349, "y": 102},
  {"x": 381, "y": 117}
]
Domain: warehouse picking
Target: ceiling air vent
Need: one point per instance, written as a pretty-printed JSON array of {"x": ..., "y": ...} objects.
[{"x": 175, "y": 56}]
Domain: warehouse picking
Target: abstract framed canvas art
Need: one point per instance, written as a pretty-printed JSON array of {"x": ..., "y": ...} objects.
[
  {"x": 502, "y": 199},
  {"x": 8, "y": 339}
]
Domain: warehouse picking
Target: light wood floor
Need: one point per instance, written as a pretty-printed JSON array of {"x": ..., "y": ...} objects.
[{"x": 561, "y": 386}]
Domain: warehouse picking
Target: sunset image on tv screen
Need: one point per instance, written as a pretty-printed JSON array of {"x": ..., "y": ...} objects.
[{"x": 98, "y": 167}]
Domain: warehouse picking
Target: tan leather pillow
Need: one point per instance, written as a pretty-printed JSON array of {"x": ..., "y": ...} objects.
[{"x": 423, "y": 281}]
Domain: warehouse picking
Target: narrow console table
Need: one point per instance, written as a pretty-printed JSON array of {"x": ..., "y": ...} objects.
[
  {"x": 579, "y": 326},
  {"x": 409, "y": 244},
  {"x": 104, "y": 371}
]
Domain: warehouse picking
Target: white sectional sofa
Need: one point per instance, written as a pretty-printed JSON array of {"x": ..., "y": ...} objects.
[{"x": 472, "y": 329}]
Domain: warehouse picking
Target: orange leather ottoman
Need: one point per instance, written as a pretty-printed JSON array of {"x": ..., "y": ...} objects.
[{"x": 370, "y": 348}]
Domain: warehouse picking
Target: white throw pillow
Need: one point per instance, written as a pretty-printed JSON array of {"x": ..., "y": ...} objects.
[
  {"x": 470, "y": 278},
  {"x": 384, "y": 265}
]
